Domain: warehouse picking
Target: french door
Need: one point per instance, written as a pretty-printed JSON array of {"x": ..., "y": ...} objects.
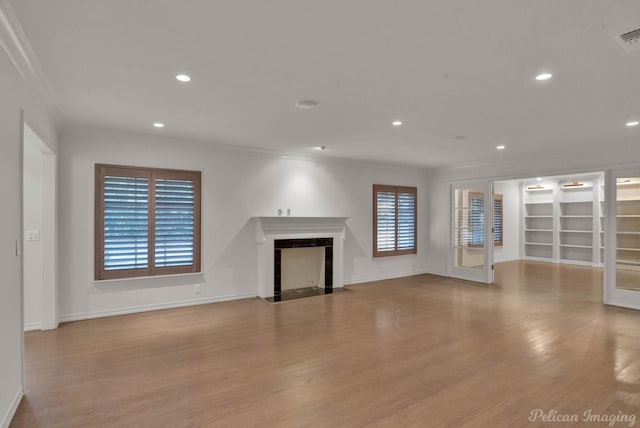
[
  {"x": 622, "y": 238},
  {"x": 471, "y": 244}
]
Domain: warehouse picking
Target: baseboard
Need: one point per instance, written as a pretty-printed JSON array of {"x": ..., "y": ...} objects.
[
  {"x": 11, "y": 411},
  {"x": 154, "y": 307},
  {"x": 382, "y": 278},
  {"x": 31, "y": 326}
]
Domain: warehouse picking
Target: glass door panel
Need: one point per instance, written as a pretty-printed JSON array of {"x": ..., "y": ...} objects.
[
  {"x": 628, "y": 233},
  {"x": 470, "y": 227}
]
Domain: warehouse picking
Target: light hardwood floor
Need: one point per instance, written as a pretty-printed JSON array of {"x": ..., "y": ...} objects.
[{"x": 421, "y": 351}]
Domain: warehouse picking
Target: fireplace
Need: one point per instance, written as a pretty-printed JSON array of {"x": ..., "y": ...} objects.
[
  {"x": 277, "y": 234},
  {"x": 283, "y": 244}
]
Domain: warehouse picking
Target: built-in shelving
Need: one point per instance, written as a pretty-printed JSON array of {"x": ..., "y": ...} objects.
[
  {"x": 562, "y": 220},
  {"x": 627, "y": 230}
]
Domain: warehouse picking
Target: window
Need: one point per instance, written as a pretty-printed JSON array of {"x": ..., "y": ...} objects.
[
  {"x": 147, "y": 222},
  {"x": 476, "y": 219},
  {"x": 394, "y": 220}
]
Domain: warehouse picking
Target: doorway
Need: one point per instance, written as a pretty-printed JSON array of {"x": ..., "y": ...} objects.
[
  {"x": 39, "y": 233},
  {"x": 551, "y": 222}
]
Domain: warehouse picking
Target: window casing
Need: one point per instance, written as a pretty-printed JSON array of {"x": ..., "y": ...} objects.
[
  {"x": 147, "y": 222},
  {"x": 394, "y": 220}
]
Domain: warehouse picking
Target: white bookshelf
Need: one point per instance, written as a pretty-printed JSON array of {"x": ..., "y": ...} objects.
[
  {"x": 628, "y": 226},
  {"x": 562, "y": 221},
  {"x": 538, "y": 221}
]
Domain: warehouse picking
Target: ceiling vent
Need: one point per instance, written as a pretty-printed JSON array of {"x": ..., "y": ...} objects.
[{"x": 630, "y": 41}]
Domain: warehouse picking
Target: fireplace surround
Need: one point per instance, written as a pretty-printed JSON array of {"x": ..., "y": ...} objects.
[{"x": 276, "y": 233}]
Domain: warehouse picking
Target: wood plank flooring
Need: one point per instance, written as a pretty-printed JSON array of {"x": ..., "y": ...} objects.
[{"x": 422, "y": 351}]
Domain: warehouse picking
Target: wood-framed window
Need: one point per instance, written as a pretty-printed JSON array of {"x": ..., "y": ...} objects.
[
  {"x": 147, "y": 221},
  {"x": 395, "y": 213},
  {"x": 476, "y": 220}
]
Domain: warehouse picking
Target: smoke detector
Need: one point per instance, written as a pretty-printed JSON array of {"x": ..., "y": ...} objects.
[{"x": 630, "y": 40}]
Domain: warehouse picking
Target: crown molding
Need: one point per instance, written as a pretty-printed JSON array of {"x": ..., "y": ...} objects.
[{"x": 14, "y": 41}]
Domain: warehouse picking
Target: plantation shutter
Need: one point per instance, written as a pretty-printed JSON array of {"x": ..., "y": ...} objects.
[
  {"x": 126, "y": 222},
  {"x": 406, "y": 221},
  {"x": 386, "y": 214},
  {"x": 394, "y": 220},
  {"x": 174, "y": 222},
  {"x": 476, "y": 219},
  {"x": 497, "y": 220}
]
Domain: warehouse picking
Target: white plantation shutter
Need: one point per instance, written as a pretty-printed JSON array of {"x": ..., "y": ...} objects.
[
  {"x": 174, "y": 228},
  {"x": 394, "y": 220},
  {"x": 476, "y": 219},
  {"x": 386, "y": 226},
  {"x": 126, "y": 222},
  {"x": 497, "y": 220},
  {"x": 406, "y": 221},
  {"x": 147, "y": 222}
]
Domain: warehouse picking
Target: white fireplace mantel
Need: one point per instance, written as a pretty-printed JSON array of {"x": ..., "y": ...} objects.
[{"x": 269, "y": 229}]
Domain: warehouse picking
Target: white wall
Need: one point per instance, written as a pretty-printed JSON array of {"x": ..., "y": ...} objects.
[
  {"x": 236, "y": 186},
  {"x": 510, "y": 250},
  {"x": 33, "y": 256},
  {"x": 509, "y": 168},
  {"x": 16, "y": 98}
]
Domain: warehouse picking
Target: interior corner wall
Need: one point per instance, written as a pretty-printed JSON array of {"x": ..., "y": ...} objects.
[
  {"x": 16, "y": 98},
  {"x": 236, "y": 186},
  {"x": 510, "y": 249}
]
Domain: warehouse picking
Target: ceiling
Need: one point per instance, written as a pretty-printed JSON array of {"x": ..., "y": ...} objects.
[{"x": 446, "y": 68}]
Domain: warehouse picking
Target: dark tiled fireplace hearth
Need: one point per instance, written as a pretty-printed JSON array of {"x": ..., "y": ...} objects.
[{"x": 280, "y": 244}]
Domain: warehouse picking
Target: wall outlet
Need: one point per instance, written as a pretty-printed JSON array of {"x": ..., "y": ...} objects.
[{"x": 196, "y": 288}]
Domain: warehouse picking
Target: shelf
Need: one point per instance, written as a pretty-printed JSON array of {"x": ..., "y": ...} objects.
[
  {"x": 628, "y": 233},
  {"x": 576, "y": 202},
  {"x": 627, "y": 249},
  {"x": 628, "y": 262},
  {"x": 538, "y": 230},
  {"x": 576, "y": 216},
  {"x": 577, "y": 188},
  {"x": 627, "y": 216},
  {"x": 538, "y": 216},
  {"x": 539, "y": 243},
  {"x": 575, "y": 246},
  {"x": 538, "y": 203},
  {"x": 576, "y": 231}
]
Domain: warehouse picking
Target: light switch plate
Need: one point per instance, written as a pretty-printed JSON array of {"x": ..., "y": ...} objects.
[{"x": 32, "y": 235}]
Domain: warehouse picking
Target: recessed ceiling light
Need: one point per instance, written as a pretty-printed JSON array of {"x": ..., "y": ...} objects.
[
  {"x": 539, "y": 178},
  {"x": 544, "y": 76},
  {"x": 321, "y": 148},
  {"x": 183, "y": 78},
  {"x": 500, "y": 147},
  {"x": 396, "y": 123},
  {"x": 158, "y": 125},
  {"x": 306, "y": 104},
  {"x": 633, "y": 123}
]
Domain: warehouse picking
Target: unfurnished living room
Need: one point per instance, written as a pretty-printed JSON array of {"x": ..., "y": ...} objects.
[{"x": 295, "y": 213}]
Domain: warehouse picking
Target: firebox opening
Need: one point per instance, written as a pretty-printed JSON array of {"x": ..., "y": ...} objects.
[{"x": 302, "y": 268}]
